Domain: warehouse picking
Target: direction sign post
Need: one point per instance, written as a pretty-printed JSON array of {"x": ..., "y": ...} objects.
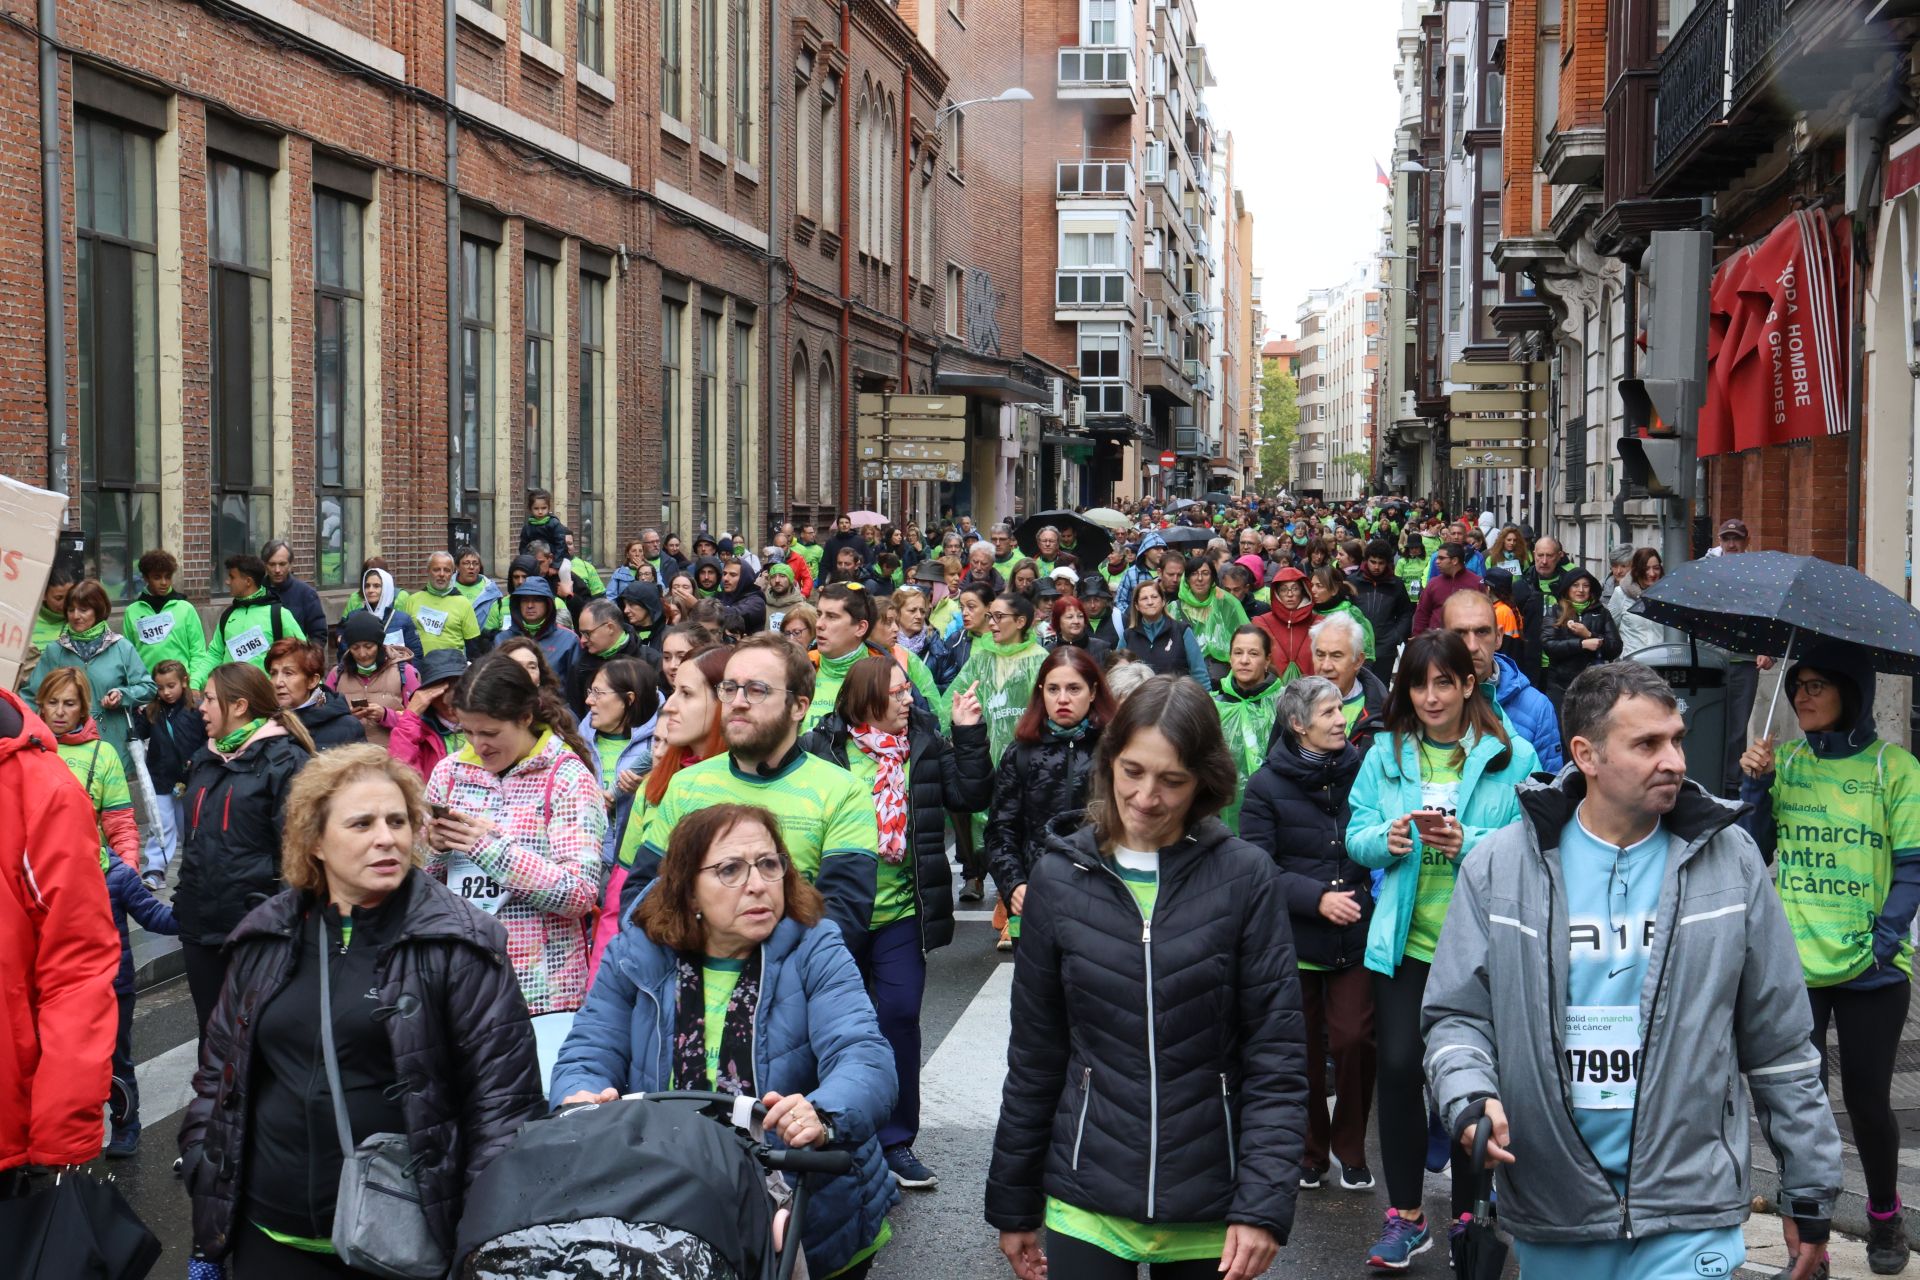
[{"x": 907, "y": 437}]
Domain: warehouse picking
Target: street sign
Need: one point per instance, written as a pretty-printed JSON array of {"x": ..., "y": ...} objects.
[
  {"x": 946, "y": 471},
  {"x": 912, "y": 449},
  {"x": 872, "y": 426},
  {"x": 1464, "y": 430},
  {"x": 873, "y": 404},
  {"x": 1167, "y": 459},
  {"x": 1494, "y": 458},
  {"x": 1534, "y": 401},
  {"x": 1492, "y": 373}
]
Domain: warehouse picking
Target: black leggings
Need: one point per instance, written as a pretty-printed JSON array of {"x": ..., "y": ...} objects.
[
  {"x": 1402, "y": 1092},
  {"x": 1869, "y": 1025},
  {"x": 206, "y": 971},
  {"x": 257, "y": 1256},
  {"x": 1072, "y": 1259}
]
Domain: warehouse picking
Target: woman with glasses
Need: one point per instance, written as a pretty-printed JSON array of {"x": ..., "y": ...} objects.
[
  {"x": 1003, "y": 664},
  {"x": 729, "y": 984},
  {"x": 1213, "y": 614},
  {"x": 1840, "y": 815},
  {"x": 518, "y": 826},
  {"x": 915, "y": 775}
]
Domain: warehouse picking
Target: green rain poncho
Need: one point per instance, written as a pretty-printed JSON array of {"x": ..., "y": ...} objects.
[
  {"x": 1247, "y": 721},
  {"x": 1352, "y": 610},
  {"x": 1214, "y": 620},
  {"x": 1006, "y": 675}
]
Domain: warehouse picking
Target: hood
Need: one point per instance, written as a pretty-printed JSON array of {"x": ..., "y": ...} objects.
[
  {"x": 1510, "y": 681},
  {"x": 706, "y": 562},
  {"x": 1254, "y": 565},
  {"x": 525, "y": 564},
  {"x": 746, "y": 590},
  {"x": 1547, "y": 805},
  {"x": 332, "y": 706},
  {"x": 1148, "y": 543},
  {"x": 87, "y": 732},
  {"x": 1845, "y": 665},
  {"x": 1229, "y": 690},
  {"x": 1565, "y": 584},
  {"x": 535, "y": 585},
  {"x": 1284, "y": 758},
  {"x": 157, "y": 603},
  {"x": 646, "y": 595},
  {"x": 387, "y": 592}
]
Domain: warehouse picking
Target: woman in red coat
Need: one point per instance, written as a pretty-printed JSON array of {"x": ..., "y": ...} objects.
[{"x": 1289, "y": 622}]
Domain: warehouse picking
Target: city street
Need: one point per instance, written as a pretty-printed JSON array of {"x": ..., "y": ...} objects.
[{"x": 938, "y": 1234}]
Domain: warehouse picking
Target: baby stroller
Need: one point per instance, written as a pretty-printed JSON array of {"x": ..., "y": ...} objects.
[{"x": 662, "y": 1186}]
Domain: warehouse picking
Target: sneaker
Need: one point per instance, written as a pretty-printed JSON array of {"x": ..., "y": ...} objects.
[
  {"x": 1820, "y": 1272},
  {"x": 971, "y": 890},
  {"x": 908, "y": 1171},
  {"x": 1355, "y": 1177},
  {"x": 1401, "y": 1240},
  {"x": 1887, "y": 1243},
  {"x": 179, "y": 1166},
  {"x": 124, "y": 1142},
  {"x": 156, "y": 881},
  {"x": 1005, "y": 943},
  {"x": 1311, "y": 1178}
]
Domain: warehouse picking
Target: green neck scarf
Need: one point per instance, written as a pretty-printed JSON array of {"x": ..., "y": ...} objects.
[
  {"x": 1579, "y": 606},
  {"x": 93, "y": 632},
  {"x": 987, "y": 644},
  {"x": 838, "y": 667},
  {"x": 364, "y": 671},
  {"x": 613, "y": 648},
  {"x": 452, "y": 588},
  {"x": 229, "y": 743},
  {"x": 1068, "y": 733}
]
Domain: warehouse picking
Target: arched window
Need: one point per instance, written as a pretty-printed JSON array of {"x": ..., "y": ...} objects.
[
  {"x": 863, "y": 170},
  {"x": 803, "y": 150},
  {"x": 889, "y": 167},
  {"x": 828, "y": 417},
  {"x": 829, "y": 157},
  {"x": 802, "y": 455}
]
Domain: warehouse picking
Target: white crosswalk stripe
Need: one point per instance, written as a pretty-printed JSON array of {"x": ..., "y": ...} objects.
[
  {"x": 960, "y": 1087},
  {"x": 166, "y": 1081}
]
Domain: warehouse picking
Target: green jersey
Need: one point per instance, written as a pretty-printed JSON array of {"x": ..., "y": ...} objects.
[
  {"x": 246, "y": 630},
  {"x": 163, "y": 629},
  {"x": 828, "y": 676},
  {"x": 1839, "y": 827},
  {"x": 1440, "y": 789},
  {"x": 445, "y": 619},
  {"x": 1247, "y": 722},
  {"x": 811, "y": 552},
  {"x": 1006, "y": 677},
  {"x": 97, "y": 767},
  {"x": 825, "y": 815}
]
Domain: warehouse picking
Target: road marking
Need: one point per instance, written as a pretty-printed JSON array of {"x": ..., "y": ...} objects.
[
  {"x": 166, "y": 1082},
  {"x": 974, "y": 917},
  {"x": 960, "y": 1088}
]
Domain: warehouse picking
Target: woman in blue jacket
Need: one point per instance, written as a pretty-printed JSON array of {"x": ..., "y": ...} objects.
[
  {"x": 1439, "y": 780},
  {"x": 733, "y": 981}
]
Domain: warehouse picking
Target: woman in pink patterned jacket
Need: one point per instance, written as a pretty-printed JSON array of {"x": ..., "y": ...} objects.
[{"x": 519, "y": 820}]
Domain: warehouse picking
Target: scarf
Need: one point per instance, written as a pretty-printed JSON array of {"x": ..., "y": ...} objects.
[
  {"x": 1579, "y": 606},
  {"x": 229, "y": 743},
  {"x": 915, "y": 645},
  {"x": 736, "y": 1035},
  {"x": 889, "y": 755},
  {"x": 1068, "y": 732},
  {"x": 88, "y": 644}
]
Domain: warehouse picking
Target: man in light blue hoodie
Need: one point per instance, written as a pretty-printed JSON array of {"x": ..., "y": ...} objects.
[{"x": 1146, "y": 565}]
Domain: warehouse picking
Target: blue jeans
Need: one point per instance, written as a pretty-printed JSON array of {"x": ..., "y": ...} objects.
[{"x": 896, "y": 975}]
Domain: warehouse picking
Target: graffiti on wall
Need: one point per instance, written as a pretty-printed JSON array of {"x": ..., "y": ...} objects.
[{"x": 983, "y": 313}]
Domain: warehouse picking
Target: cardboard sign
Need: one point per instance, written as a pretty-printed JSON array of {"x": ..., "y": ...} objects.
[{"x": 29, "y": 531}]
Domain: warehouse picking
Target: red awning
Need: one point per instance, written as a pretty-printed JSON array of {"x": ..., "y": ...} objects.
[{"x": 1776, "y": 356}]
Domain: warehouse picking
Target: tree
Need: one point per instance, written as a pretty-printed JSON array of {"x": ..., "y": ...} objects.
[
  {"x": 1279, "y": 423},
  {"x": 1360, "y": 463}
]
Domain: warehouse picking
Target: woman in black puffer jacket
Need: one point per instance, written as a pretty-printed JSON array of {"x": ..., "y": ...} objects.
[
  {"x": 1581, "y": 634},
  {"x": 1047, "y": 769},
  {"x": 1296, "y": 809},
  {"x": 433, "y": 1036},
  {"x": 233, "y": 811},
  {"x": 1157, "y": 1073}
]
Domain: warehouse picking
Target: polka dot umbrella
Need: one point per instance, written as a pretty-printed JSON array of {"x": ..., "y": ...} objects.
[{"x": 1769, "y": 602}]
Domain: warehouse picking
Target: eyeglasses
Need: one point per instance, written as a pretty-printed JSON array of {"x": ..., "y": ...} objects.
[
  {"x": 1812, "y": 688},
  {"x": 756, "y": 691},
  {"x": 595, "y": 693},
  {"x": 902, "y": 694},
  {"x": 733, "y": 872},
  {"x": 999, "y": 615}
]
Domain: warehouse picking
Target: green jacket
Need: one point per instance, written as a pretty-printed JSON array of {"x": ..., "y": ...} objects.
[
  {"x": 588, "y": 576},
  {"x": 451, "y": 610},
  {"x": 245, "y": 632},
  {"x": 1246, "y": 719},
  {"x": 164, "y": 628},
  {"x": 115, "y": 665}
]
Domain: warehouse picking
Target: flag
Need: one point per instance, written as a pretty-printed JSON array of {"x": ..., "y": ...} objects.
[{"x": 1380, "y": 176}]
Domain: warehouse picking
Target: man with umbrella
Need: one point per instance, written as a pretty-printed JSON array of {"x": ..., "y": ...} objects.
[{"x": 1611, "y": 1087}]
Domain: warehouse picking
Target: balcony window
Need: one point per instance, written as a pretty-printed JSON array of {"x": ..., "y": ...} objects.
[
  {"x": 1103, "y": 179},
  {"x": 1669, "y": 16},
  {"x": 1103, "y": 370},
  {"x": 1089, "y": 249},
  {"x": 1090, "y": 288},
  {"x": 1103, "y": 21},
  {"x": 1095, "y": 66}
]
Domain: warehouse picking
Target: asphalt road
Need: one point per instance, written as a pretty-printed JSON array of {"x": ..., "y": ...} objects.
[{"x": 938, "y": 1234}]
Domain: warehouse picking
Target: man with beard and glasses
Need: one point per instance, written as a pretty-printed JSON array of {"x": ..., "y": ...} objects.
[{"x": 826, "y": 816}]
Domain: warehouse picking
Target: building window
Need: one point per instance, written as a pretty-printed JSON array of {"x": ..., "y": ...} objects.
[
  {"x": 1489, "y": 282},
  {"x": 1458, "y": 104},
  {"x": 536, "y": 318},
  {"x": 241, "y": 325},
  {"x": 710, "y": 123},
  {"x": 926, "y": 223},
  {"x": 745, "y": 83},
  {"x": 477, "y": 337},
  {"x": 802, "y": 457},
  {"x": 596, "y": 420},
  {"x": 1103, "y": 22},
  {"x": 803, "y": 151},
  {"x": 1103, "y": 369},
  {"x": 1456, "y": 278},
  {"x": 740, "y": 410},
  {"x": 339, "y": 376},
  {"x": 672, "y": 59},
  {"x": 955, "y": 300},
  {"x": 118, "y": 347},
  {"x": 1094, "y": 249},
  {"x": 673, "y": 416},
  {"x": 536, "y": 19},
  {"x": 829, "y": 157},
  {"x": 706, "y": 414},
  {"x": 591, "y": 16},
  {"x": 829, "y": 417}
]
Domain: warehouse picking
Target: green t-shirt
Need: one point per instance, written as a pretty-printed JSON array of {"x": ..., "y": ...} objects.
[
  {"x": 1355, "y": 707},
  {"x": 718, "y": 980},
  {"x": 1138, "y": 1241},
  {"x": 1440, "y": 788},
  {"x": 444, "y": 621},
  {"x": 97, "y": 766},
  {"x": 1139, "y": 870},
  {"x": 609, "y": 749},
  {"x": 828, "y": 676},
  {"x": 1839, "y": 826},
  {"x": 826, "y": 818},
  {"x": 893, "y": 898}
]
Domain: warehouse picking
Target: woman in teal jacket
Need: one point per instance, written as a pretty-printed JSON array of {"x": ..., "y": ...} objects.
[
  {"x": 120, "y": 681},
  {"x": 1440, "y": 779}
]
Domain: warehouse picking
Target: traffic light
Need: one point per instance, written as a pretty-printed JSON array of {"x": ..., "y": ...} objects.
[
  {"x": 1676, "y": 272},
  {"x": 1661, "y": 465}
]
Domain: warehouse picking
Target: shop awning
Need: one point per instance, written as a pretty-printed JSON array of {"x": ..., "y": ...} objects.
[{"x": 1776, "y": 351}]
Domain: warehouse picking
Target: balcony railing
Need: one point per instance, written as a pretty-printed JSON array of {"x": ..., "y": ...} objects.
[
  {"x": 1757, "y": 25},
  {"x": 1095, "y": 68},
  {"x": 1193, "y": 300},
  {"x": 1696, "y": 81},
  {"x": 1079, "y": 288},
  {"x": 1097, "y": 179}
]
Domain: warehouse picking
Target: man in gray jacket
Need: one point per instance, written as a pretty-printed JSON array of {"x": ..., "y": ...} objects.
[{"x": 1612, "y": 964}]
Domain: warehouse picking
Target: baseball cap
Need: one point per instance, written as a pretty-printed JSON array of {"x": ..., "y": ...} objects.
[{"x": 1733, "y": 528}]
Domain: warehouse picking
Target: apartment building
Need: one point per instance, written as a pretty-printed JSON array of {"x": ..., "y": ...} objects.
[
  {"x": 1232, "y": 425},
  {"x": 1311, "y": 360}
]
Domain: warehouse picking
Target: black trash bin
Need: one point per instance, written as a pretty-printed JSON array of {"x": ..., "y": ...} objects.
[{"x": 1698, "y": 675}]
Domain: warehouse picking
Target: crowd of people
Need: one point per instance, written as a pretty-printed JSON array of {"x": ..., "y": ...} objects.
[{"x": 1262, "y": 788}]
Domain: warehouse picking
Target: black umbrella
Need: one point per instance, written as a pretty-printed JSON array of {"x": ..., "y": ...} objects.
[
  {"x": 1478, "y": 1251},
  {"x": 1181, "y": 504},
  {"x": 1091, "y": 542},
  {"x": 1774, "y": 603},
  {"x": 76, "y": 1226},
  {"x": 1181, "y": 537}
]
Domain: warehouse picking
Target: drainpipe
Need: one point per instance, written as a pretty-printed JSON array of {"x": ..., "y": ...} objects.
[
  {"x": 771, "y": 381},
  {"x": 1859, "y": 223},
  {"x": 53, "y": 251},
  {"x": 455, "y": 456},
  {"x": 1630, "y": 367},
  {"x": 906, "y": 240},
  {"x": 847, "y": 250}
]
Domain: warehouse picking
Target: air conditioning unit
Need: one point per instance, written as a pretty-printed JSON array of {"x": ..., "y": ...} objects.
[
  {"x": 1407, "y": 405},
  {"x": 1077, "y": 411},
  {"x": 1059, "y": 389}
]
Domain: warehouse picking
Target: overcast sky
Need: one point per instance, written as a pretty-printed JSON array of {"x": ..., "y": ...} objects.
[{"x": 1306, "y": 87}]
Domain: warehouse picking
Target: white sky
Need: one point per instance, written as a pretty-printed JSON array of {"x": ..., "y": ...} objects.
[{"x": 1306, "y": 88}]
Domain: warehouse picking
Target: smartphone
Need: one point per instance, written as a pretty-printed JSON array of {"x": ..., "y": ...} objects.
[
  {"x": 357, "y": 704},
  {"x": 439, "y": 810},
  {"x": 1429, "y": 822}
]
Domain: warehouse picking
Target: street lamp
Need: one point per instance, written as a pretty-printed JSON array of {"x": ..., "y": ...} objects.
[{"x": 1015, "y": 94}]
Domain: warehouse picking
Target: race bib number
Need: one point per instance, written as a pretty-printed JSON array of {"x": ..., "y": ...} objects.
[
  {"x": 473, "y": 884},
  {"x": 432, "y": 621},
  {"x": 248, "y": 646},
  {"x": 155, "y": 629},
  {"x": 397, "y": 638},
  {"x": 1603, "y": 1055}
]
